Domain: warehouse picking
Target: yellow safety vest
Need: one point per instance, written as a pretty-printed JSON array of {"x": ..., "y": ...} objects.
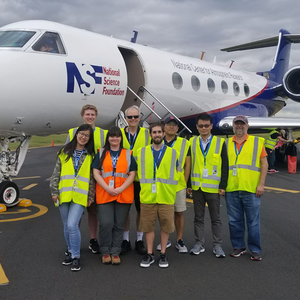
[
  {"x": 71, "y": 188},
  {"x": 247, "y": 165},
  {"x": 166, "y": 178},
  {"x": 269, "y": 142},
  {"x": 99, "y": 137},
  {"x": 209, "y": 184}
]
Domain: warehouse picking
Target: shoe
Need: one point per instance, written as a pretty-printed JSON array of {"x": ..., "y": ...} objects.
[
  {"x": 163, "y": 262},
  {"x": 218, "y": 251},
  {"x": 106, "y": 259},
  {"x": 75, "y": 264},
  {"x": 67, "y": 251},
  {"x": 197, "y": 249},
  {"x": 238, "y": 252},
  {"x": 94, "y": 246},
  {"x": 68, "y": 258},
  {"x": 256, "y": 256},
  {"x": 147, "y": 260},
  {"x": 115, "y": 260},
  {"x": 158, "y": 248},
  {"x": 125, "y": 247},
  {"x": 274, "y": 171},
  {"x": 140, "y": 248},
  {"x": 181, "y": 246}
]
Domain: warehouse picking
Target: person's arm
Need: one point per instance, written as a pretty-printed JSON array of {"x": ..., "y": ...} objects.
[
  {"x": 92, "y": 189},
  {"x": 126, "y": 184},
  {"x": 99, "y": 179},
  {"x": 54, "y": 180},
  {"x": 263, "y": 173},
  {"x": 224, "y": 171},
  {"x": 187, "y": 168}
]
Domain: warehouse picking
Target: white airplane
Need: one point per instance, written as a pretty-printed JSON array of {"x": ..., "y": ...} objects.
[{"x": 49, "y": 71}]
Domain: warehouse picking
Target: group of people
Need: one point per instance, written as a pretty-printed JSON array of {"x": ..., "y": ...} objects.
[{"x": 106, "y": 171}]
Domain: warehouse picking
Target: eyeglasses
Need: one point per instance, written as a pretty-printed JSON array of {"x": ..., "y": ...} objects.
[
  {"x": 133, "y": 117},
  {"x": 83, "y": 134},
  {"x": 204, "y": 125}
]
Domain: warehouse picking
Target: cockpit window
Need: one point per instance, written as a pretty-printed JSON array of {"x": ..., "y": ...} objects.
[
  {"x": 49, "y": 42},
  {"x": 15, "y": 39}
]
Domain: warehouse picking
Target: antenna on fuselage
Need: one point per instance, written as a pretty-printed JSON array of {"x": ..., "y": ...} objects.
[
  {"x": 134, "y": 38},
  {"x": 232, "y": 61},
  {"x": 202, "y": 55}
]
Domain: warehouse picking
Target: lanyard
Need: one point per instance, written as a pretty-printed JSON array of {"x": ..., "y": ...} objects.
[
  {"x": 238, "y": 153},
  {"x": 114, "y": 160},
  {"x": 133, "y": 140},
  {"x": 155, "y": 164},
  {"x": 77, "y": 160},
  {"x": 205, "y": 151}
]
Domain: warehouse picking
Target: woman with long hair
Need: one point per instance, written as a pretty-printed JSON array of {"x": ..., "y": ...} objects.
[
  {"x": 114, "y": 170},
  {"x": 73, "y": 188}
]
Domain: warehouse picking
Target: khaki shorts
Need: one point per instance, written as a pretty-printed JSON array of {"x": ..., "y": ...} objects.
[
  {"x": 165, "y": 214},
  {"x": 180, "y": 201}
]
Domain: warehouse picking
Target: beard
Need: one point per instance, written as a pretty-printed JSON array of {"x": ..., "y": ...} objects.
[{"x": 157, "y": 140}]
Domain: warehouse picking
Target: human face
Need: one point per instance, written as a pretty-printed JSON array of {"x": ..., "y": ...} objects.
[
  {"x": 89, "y": 117},
  {"x": 171, "y": 128},
  {"x": 157, "y": 135},
  {"x": 133, "y": 118},
  {"x": 204, "y": 128},
  {"x": 240, "y": 128},
  {"x": 114, "y": 141},
  {"x": 82, "y": 138}
]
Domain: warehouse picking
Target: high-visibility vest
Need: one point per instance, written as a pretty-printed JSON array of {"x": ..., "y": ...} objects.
[
  {"x": 166, "y": 178},
  {"x": 247, "y": 165},
  {"x": 99, "y": 137},
  {"x": 73, "y": 188},
  {"x": 269, "y": 142},
  {"x": 182, "y": 147},
  {"x": 121, "y": 174},
  {"x": 209, "y": 184}
]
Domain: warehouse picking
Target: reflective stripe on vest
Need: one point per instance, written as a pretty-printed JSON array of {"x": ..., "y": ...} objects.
[{"x": 269, "y": 142}]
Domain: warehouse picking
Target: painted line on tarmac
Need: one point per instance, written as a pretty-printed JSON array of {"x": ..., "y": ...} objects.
[
  {"x": 282, "y": 190},
  {"x": 3, "y": 279},
  {"x": 42, "y": 210},
  {"x": 32, "y": 177},
  {"x": 20, "y": 211},
  {"x": 28, "y": 187}
]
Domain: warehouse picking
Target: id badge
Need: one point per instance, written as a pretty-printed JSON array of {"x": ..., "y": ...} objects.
[
  {"x": 234, "y": 171},
  {"x": 75, "y": 184},
  {"x": 205, "y": 173},
  {"x": 111, "y": 183},
  {"x": 153, "y": 188}
]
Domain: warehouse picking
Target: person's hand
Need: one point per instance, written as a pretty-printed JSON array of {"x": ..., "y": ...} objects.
[
  {"x": 111, "y": 191},
  {"x": 260, "y": 190},
  {"x": 55, "y": 198},
  {"x": 221, "y": 192},
  {"x": 118, "y": 191},
  {"x": 189, "y": 191},
  {"x": 89, "y": 203}
]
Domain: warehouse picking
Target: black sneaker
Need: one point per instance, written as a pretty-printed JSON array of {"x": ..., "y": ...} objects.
[
  {"x": 238, "y": 252},
  {"x": 68, "y": 258},
  {"x": 163, "y": 262},
  {"x": 140, "y": 248},
  {"x": 147, "y": 260},
  {"x": 94, "y": 246},
  {"x": 75, "y": 264},
  {"x": 256, "y": 256},
  {"x": 125, "y": 247}
]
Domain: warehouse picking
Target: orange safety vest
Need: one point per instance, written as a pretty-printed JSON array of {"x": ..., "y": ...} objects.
[{"x": 121, "y": 174}]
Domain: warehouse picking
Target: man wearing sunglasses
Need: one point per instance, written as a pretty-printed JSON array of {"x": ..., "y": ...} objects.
[
  {"x": 134, "y": 138},
  {"x": 209, "y": 174}
]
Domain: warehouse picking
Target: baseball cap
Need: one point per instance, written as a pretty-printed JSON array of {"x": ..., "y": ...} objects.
[
  {"x": 240, "y": 118},
  {"x": 169, "y": 119}
]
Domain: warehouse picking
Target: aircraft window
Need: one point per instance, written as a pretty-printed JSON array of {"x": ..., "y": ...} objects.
[
  {"x": 195, "y": 83},
  {"x": 224, "y": 86},
  {"x": 211, "y": 85},
  {"x": 246, "y": 89},
  {"x": 15, "y": 39},
  {"x": 177, "y": 81},
  {"x": 50, "y": 42},
  {"x": 236, "y": 89}
]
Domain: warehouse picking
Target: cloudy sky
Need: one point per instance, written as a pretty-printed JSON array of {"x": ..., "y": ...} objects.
[{"x": 185, "y": 27}]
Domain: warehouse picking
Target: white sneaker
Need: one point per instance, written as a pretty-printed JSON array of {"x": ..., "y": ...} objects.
[
  {"x": 158, "y": 248},
  {"x": 181, "y": 246},
  {"x": 218, "y": 251}
]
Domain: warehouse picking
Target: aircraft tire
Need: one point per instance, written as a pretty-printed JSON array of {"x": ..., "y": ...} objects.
[{"x": 9, "y": 193}]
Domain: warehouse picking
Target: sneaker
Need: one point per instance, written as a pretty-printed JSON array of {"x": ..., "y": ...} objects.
[
  {"x": 67, "y": 251},
  {"x": 218, "y": 251},
  {"x": 181, "y": 246},
  {"x": 106, "y": 259},
  {"x": 238, "y": 252},
  {"x": 256, "y": 256},
  {"x": 75, "y": 264},
  {"x": 125, "y": 247},
  {"x": 274, "y": 171},
  {"x": 147, "y": 260},
  {"x": 115, "y": 260},
  {"x": 158, "y": 248},
  {"x": 197, "y": 249},
  {"x": 68, "y": 258},
  {"x": 163, "y": 262},
  {"x": 94, "y": 246},
  {"x": 140, "y": 248}
]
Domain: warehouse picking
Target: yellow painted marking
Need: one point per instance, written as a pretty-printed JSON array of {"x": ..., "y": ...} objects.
[
  {"x": 19, "y": 178},
  {"x": 19, "y": 211},
  {"x": 28, "y": 187},
  {"x": 3, "y": 278},
  {"x": 282, "y": 190},
  {"x": 189, "y": 200},
  {"x": 42, "y": 211}
]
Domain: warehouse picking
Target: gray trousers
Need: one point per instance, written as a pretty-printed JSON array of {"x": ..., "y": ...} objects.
[
  {"x": 112, "y": 217},
  {"x": 213, "y": 202}
]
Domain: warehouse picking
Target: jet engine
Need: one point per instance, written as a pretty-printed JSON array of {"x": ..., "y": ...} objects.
[{"x": 291, "y": 83}]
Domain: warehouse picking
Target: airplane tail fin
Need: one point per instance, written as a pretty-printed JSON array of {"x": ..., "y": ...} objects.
[{"x": 281, "y": 61}]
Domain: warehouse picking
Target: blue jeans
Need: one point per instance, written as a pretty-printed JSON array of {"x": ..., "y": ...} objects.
[
  {"x": 242, "y": 203},
  {"x": 71, "y": 214},
  {"x": 271, "y": 158}
]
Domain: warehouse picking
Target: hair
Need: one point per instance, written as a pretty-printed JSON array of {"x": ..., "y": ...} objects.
[
  {"x": 88, "y": 106},
  {"x": 132, "y": 107},
  {"x": 113, "y": 131},
  {"x": 204, "y": 117},
  {"x": 155, "y": 125},
  {"x": 71, "y": 146}
]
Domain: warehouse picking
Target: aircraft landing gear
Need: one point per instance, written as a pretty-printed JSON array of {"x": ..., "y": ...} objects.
[{"x": 9, "y": 193}]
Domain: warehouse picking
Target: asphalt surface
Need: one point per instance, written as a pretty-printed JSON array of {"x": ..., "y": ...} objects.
[{"x": 31, "y": 252}]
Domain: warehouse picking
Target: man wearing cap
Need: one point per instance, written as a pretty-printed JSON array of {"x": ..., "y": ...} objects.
[
  {"x": 209, "y": 173},
  {"x": 247, "y": 173},
  {"x": 182, "y": 146}
]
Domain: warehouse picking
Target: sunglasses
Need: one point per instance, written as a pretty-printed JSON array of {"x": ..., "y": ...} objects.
[
  {"x": 204, "y": 125},
  {"x": 133, "y": 117}
]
